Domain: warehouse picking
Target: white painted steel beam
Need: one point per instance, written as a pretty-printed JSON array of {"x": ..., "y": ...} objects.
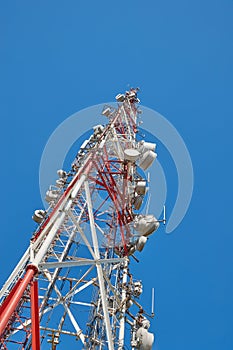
[
  {"x": 81, "y": 262},
  {"x": 99, "y": 269},
  {"x": 123, "y": 310},
  {"x": 82, "y": 234}
]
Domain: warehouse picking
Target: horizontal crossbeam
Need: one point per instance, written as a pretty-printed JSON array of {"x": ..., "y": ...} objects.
[{"x": 79, "y": 262}]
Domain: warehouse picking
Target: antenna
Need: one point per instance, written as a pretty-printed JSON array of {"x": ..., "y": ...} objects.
[
  {"x": 148, "y": 177},
  {"x": 148, "y": 204},
  {"x": 149, "y": 196},
  {"x": 152, "y": 301},
  {"x": 164, "y": 214}
]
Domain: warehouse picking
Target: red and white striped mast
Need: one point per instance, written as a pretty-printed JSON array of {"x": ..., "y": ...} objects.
[{"x": 74, "y": 278}]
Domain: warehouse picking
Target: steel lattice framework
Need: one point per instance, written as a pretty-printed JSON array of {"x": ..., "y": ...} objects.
[{"x": 74, "y": 279}]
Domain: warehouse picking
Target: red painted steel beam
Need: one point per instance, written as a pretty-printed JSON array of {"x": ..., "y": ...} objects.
[
  {"x": 6, "y": 302},
  {"x": 7, "y": 313},
  {"x": 35, "y": 316}
]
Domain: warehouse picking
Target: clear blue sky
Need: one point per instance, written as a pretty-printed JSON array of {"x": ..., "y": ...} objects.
[{"x": 57, "y": 57}]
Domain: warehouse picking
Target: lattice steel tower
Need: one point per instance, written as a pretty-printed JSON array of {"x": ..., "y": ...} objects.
[{"x": 73, "y": 287}]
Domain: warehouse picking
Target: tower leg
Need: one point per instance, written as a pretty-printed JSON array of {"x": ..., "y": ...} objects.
[
  {"x": 35, "y": 316},
  {"x": 123, "y": 300}
]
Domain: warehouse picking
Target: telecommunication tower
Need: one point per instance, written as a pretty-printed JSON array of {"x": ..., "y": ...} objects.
[{"x": 74, "y": 280}]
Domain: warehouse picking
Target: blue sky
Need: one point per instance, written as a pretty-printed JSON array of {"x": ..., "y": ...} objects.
[{"x": 57, "y": 57}]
